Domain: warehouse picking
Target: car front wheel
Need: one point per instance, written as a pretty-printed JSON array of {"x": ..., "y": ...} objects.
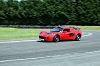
[{"x": 56, "y": 38}]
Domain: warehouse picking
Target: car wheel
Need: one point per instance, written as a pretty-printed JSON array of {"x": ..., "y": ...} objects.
[
  {"x": 56, "y": 38},
  {"x": 78, "y": 37}
]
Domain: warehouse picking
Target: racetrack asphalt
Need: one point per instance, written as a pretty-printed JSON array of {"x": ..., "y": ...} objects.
[{"x": 29, "y": 52}]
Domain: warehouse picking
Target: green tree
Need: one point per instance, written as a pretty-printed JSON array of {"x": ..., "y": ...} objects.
[
  {"x": 50, "y": 12},
  {"x": 2, "y": 12},
  {"x": 88, "y": 11},
  {"x": 12, "y": 12}
]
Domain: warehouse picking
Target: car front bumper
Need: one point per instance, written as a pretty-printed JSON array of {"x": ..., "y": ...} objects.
[{"x": 46, "y": 38}]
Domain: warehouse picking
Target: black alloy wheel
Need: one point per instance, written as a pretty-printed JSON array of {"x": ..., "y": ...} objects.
[
  {"x": 78, "y": 37},
  {"x": 56, "y": 38}
]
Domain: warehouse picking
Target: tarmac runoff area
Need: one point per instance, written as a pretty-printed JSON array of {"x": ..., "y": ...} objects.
[{"x": 83, "y": 59}]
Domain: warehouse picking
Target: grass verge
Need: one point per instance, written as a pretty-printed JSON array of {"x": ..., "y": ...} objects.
[
  {"x": 15, "y": 33},
  {"x": 89, "y": 27}
]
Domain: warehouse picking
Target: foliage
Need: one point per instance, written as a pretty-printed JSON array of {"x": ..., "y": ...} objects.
[{"x": 50, "y": 12}]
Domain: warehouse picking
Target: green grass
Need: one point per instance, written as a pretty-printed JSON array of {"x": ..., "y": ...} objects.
[
  {"x": 15, "y": 33},
  {"x": 89, "y": 27}
]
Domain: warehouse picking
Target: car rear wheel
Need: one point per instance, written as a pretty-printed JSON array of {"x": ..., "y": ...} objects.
[
  {"x": 78, "y": 37},
  {"x": 56, "y": 38}
]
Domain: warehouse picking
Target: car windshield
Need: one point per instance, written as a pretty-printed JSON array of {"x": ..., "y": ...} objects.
[{"x": 56, "y": 29}]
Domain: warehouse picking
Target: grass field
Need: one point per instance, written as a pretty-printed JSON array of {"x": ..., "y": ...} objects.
[
  {"x": 89, "y": 27},
  {"x": 15, "y": 33}
]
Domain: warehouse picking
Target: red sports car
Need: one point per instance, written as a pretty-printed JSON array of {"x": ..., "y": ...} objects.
[{"x": 60, "y": 33}]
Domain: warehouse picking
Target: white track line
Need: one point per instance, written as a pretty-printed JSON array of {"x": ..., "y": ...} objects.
[
  {"x": 18, "y": 41},
  {"x": 89, "y": 34}
]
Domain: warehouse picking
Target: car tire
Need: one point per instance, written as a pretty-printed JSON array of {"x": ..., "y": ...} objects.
[
  {"x": 56, "y": 38},
  {"x": 78, "y": 37}
]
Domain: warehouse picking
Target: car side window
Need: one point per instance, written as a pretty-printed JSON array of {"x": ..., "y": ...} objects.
[{"x": 68, "y": 30}]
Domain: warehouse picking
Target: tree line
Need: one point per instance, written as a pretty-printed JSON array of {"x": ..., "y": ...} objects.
[{"x": 50, "y": 12}]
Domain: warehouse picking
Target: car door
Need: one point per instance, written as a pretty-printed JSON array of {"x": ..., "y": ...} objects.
[{"x": 65, "y": 34}]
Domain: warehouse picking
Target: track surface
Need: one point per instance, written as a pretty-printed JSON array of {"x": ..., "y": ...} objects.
[{"x": 29, "y": 52}]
